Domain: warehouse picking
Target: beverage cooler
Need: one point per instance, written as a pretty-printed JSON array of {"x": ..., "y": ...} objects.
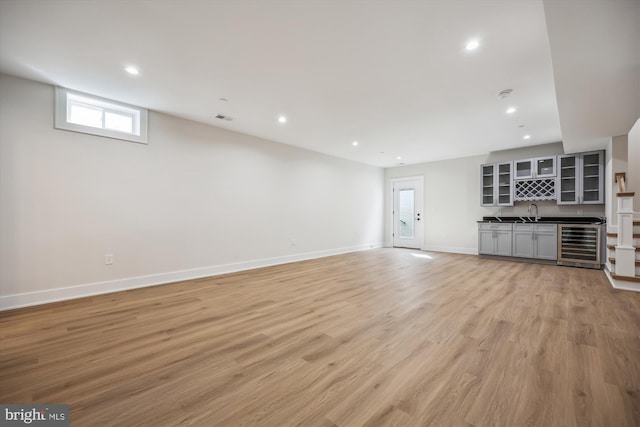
[{"x": 580, "y": 245}]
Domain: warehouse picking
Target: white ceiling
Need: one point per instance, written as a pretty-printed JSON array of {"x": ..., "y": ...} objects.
[
  {"x": 595, "y": 47},
  {"x": 393, "y": 75}
]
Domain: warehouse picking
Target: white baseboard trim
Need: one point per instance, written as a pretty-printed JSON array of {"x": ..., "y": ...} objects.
[
  {"x": 622, "y": 285},
  {"x": 607, "y": 265},
  {"x": 9, "y": 302},
  {"x": 451, "y": 249}
]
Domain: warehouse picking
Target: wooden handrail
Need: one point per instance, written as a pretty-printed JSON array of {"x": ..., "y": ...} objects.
[{"x": 620, "y": 180}]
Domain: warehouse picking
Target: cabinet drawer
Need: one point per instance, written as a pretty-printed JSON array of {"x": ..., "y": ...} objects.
[
  {"x": 494, "y": 227},
  {"x": 523, "y": 227},
  {"x": 546, "y": 228}
]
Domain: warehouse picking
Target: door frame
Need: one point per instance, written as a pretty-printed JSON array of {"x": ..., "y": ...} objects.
[{"x": 392, "y": 181}]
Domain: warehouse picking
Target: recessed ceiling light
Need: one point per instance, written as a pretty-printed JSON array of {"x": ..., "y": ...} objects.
[
  {"x": 399, "y": 158},
  {"x": 282, "y": 119},
  {"x": 526, "y": 137},
  {"x": 472, "y": 44},
  {"x": 511, "y": 110},
  {"x": 132, "y": 70},
  {"x": 354, "y": 143}
]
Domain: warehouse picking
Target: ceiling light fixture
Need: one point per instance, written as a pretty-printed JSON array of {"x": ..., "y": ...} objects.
[
  {"x": 399, "y": 158},
  {"x": 511, "y": 110},
  {"x": 354, "y": 143},
  {"x": 132, "y": 70},
  {"x": 526, "y": 137},
  {"x": 282, "y": 119},
  {"x": 472, "y": 44}
]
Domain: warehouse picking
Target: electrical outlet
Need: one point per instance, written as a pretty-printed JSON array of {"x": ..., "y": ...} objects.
[{"x": 108, "y": 259}]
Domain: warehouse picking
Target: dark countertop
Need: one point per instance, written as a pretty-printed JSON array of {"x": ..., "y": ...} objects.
[{"x": 547, "y": 219}]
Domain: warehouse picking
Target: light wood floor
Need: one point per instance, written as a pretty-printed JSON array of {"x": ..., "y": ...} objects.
[{"x": 371, "y": 338}]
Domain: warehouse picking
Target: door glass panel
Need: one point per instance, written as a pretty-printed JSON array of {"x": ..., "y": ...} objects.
[
  {"x": 568, "y": 179},
  {"x": 523, "y": 169},
  {"x": 406, "y": 206},
  {"x": 545, "y": 167},
  {"x": 487, "y": 184},
  {"x": 591, "y": 177}
]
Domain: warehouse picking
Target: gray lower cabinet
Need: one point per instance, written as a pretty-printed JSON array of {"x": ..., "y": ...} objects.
[
  {"x": 535, "y": 241},
  {"x": 494, "y": 239}
]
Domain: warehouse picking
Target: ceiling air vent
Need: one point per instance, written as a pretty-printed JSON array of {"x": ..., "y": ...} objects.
[
  {"x": 223, "y": 117},
  {"x": 504, "y": 93}
]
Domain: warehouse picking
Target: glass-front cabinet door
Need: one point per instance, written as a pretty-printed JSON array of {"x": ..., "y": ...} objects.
[
  {"x": 497, "y": 184},
  {"x": 488, "y": 179},
  {"x": 592, "y": 178},
  {"x": 505, "y": 186},
  {"x": 540, "y": 167},
  {"x": 545, "y": 167},
  {"x": 568, "y": 184},
  {"x": 581, "y": 179},
  {"x": 523, "y": 169}
]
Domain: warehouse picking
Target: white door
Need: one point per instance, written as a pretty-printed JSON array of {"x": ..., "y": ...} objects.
[{"x": 407, "y": 213}]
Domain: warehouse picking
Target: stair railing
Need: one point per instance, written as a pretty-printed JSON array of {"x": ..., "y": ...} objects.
[{"x": 625, "y": 251}]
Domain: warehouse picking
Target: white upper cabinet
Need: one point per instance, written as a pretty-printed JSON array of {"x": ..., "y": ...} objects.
[
  {"x": 581, "y": 179},
  {"x": 540, "y": 167},
  {"x": 569, "y": 179},
  {"x": 497, "y": 184}
]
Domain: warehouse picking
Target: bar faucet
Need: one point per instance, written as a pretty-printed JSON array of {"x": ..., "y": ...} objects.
[{"x": 531, "y": 206}]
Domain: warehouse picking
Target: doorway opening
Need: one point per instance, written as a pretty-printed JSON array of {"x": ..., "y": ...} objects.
[{"x": 406, "y": 212}]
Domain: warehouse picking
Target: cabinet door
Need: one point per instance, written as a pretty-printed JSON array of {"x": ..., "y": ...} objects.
[
  {"x": 485, "y": 242},
  {"x": 503, "y": 243},
  {"x": 592, "y": 182},
  {"x": 545, "y": 237},
  {"x": 545, "y": 167},
  {"x": 523, "y": 169},
  {"x": 545, "y": 245},
  {"x": 488, "y": 185},
  {"x": 523, "y": 240},
  {"x": 568, "y": 182},
  {"x": 505, "y": 184}
]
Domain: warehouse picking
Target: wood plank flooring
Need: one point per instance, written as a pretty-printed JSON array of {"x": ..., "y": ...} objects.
[{"x": 380, "y": 337}]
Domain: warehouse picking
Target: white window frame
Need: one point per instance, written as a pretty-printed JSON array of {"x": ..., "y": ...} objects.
[{"x": 62, "y": 107}]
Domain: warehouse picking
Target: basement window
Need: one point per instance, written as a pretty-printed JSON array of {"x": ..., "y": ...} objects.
[{"x": 81, "y": 112}]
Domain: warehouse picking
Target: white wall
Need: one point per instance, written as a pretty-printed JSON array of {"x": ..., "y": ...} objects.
[
  {"x": 616, "y": 161},
  {"x": 633, "y": 170},
  {"x": 197, "y": 200},
  {"x": 452, "y": 198}
]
